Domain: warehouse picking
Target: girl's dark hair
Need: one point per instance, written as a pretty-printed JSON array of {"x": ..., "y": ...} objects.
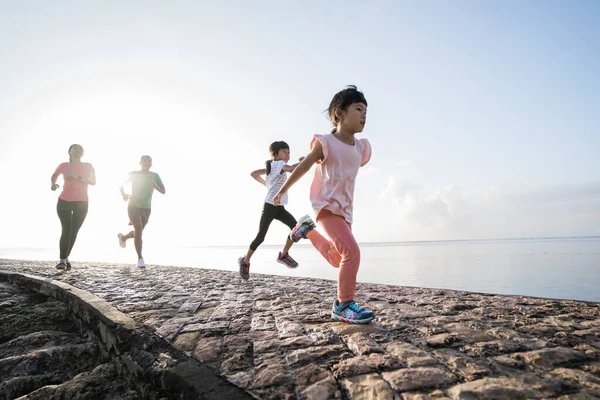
[
  {"x": 274, "y": 149},
  {"x": 341, "y": 101},
  {"x": 70, "y": 147}
]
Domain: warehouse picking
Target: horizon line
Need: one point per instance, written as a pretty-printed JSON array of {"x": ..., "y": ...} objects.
[
  {"x": 400, "y": 242},
  {"x": 438, "y": 241}
]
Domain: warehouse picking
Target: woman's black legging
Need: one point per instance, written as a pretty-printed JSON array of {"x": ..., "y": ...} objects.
[
  {"x": 269, "y": 213},
  {"x": 71, "y": 215}
]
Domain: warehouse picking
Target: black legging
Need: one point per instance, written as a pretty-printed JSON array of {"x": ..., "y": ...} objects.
[
  {"x": 269, "y": 213},
  {"x": 71, "y": 215}
]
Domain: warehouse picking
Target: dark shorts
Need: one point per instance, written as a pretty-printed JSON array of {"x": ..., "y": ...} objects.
[{"x": 138, "y": 215}]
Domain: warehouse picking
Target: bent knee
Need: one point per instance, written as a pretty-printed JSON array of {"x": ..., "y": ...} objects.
[{"x": 351, "y": 253}]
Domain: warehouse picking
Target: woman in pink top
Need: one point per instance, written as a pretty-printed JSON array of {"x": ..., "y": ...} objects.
[
  {"x": 338, "y": 155},
  {"x": 72, "y": 204}
]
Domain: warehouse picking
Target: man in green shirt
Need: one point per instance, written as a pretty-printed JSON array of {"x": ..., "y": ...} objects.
[{"x": 143, "y": 184}]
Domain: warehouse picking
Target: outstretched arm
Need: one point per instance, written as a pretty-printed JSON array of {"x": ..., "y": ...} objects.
[
  {"x": 291, "y": 168},
  {"x": 257, "y": 175},
  {"x": 315, "y": 155}
]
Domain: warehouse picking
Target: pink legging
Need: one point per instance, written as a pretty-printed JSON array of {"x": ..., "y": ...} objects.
[{"x": 341, "y": 252}]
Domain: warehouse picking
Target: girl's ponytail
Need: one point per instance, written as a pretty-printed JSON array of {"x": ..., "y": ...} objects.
[{"x": 268, "y": 166}]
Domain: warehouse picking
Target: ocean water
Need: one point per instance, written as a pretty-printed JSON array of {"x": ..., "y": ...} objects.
[{"x": 561, "y": 268}]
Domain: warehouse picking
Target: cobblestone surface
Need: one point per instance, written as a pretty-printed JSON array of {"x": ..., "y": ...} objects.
[{"x": 273, "y": 335}]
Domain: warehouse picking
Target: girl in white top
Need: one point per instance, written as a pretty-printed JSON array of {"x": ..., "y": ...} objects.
[{"x": 275, "y": 174}]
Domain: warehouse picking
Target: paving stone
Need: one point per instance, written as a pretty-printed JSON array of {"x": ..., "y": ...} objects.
[
  {"x": 208, "y": 349},
  {"x": 369, "y": 386},
  {"x": 364, "y": 364},
  {"x": 272, "y": 372},
  {"x": 287, "y": 328},
  {"x": 307, "y": 375},
  {"x": 468, "y": 367},
  {"x": 493, "y": 348},
  {"x": 418, "y": 378},
  {"x": 262, "y": 322},
  {"x": 582, "y": 378},
  {"x": 322, "y": 390},
  {"x": 316, "y": 354},
  {"x": 322, "y": 335},
  {"x": 503, "y": 388},
  {"x": 467, "y": 334},
  {"x": 360, "y": 343},
  {"x": 551, "y": 357},
  {"x": 186, "y": 341},
  {"x": 424, "y": 343},
  {"x": 171, "y": 327},
  {"x": 411, "y": 355},
  {"x": 212, "y": 327},
  {"x": 190, "y": 306}
]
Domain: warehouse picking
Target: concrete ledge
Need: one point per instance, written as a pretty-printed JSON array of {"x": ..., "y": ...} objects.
[{"x": 141, "y": 350}]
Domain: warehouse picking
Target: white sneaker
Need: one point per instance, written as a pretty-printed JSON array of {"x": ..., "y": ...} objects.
[
  {"x": 141, "y": 263},
  {"x": 122, "y": 242}
]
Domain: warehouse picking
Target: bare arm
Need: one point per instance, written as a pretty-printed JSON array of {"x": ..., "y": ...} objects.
[
  {"x": 315, "y": 154},
  {"x": 161, "y": 189},
  {"x": 91, "y": 178},
  {"x": 257, "y": 176},
  {"x": 122, "y": 189},
  {"x": 291, "y": 168},
  {"x": 53, "y": 179}
]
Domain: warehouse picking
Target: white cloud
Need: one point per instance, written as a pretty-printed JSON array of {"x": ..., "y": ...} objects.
[
  {"x": 453, "y": 212},
  {"x": 401, "y": 191}
]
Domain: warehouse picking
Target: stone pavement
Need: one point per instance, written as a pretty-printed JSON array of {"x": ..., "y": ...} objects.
[{"x": 273, "y": 337}]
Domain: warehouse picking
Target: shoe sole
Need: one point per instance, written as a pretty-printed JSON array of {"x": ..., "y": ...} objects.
[
  {"x": 338, "y": 318},
  {"x": 301, "y": 221},
  {"x": 286, "y": 264},
  {"x": 122, "y": 243},
  {"x": 304, "y": 219}
]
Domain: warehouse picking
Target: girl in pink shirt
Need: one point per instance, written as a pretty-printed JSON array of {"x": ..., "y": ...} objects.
[
  {"x": 72, "y": 204},
  {"x": 338, "y": 155}
]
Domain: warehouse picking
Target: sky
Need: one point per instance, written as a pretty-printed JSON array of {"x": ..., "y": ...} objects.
[{"x": 483, "y": 116}]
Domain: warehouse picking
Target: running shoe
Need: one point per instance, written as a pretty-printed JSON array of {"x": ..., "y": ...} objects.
[
  {"x": 351, "y": 313},
  {"x": 304, "y": 225},
  {"x": 287, "y": 260}
]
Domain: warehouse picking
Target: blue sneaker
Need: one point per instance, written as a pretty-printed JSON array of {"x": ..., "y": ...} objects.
[
  {"x": 304, "y": 225},
  {"x": 351, "y": 313}
]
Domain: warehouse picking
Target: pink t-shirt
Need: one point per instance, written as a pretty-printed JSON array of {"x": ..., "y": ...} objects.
[
  {"x": 333, "y": 185},
  {"x": 74, "y": 189}
]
